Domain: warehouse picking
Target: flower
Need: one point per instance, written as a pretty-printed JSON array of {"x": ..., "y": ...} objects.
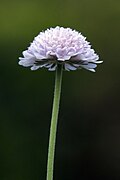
[{"x": 60, "y": 45}]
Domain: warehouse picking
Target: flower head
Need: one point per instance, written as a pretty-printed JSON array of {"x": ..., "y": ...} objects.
[{"x": 60, "y": 45}]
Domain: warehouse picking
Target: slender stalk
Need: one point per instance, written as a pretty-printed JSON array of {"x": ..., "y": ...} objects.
[{"x": 53, "y": 128}]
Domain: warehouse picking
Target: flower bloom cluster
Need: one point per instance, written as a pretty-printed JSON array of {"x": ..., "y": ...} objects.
[{"x": 60, "y": 45}]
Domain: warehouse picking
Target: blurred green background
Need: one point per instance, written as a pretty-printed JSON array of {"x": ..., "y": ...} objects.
[{"x": 88, "y": 138}]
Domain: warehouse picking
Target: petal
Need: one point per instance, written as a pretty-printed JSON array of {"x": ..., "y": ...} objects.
[
  {"x": 61, "y": 53},
  {"x": 39, "y": 56},
  {"x": 53, "y": 67},
  {"x": 33, "y": 68},
  {"x": 71, "y": 51},
  {"x": 26, "y": 62},
  {"x": 89, "y": 66},
  {"x": 92, "y": 70},
  {"x": 98, "y": 62},
  {"x": 63, "y": 58},
  {"x": 69, "y": 67},
  {"x": 27, "y": 54}
]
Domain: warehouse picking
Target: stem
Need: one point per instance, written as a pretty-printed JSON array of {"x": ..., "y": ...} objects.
[{"x": 53, "y": 128}]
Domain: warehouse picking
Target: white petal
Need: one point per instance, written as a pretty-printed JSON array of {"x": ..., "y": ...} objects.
[
  {"x": 92, "y": 70},
  {"x": 52, "y": 68},
  {"x": 71, "y": 51},
  {"x": 39, "y": 56},
  {"x": 33, "y": 68},
  {"x": 98, "y": 62},
  {"x": 89, "y": 66},
  {"x": 27, "y": 54},
  {"x": 69, "y": 67},
  {"x": 26, "y": 62},
  {"x": 61, "y": 53}
]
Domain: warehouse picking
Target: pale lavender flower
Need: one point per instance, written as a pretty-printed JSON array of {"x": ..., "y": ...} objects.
[{"x": 60, "y": 45}]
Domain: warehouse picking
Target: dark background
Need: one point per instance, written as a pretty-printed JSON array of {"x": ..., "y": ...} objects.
[{"x": 88, "y": 138}]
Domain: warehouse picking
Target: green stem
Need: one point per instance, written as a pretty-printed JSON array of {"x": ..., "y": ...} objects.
[{"x": 53, "y": 128}]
